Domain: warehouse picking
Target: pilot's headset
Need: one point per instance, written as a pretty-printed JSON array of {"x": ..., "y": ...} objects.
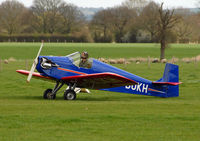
[{"x": 86, "y": 55}]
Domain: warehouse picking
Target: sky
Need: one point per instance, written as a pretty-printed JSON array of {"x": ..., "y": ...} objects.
[{"x": 111, "y": 3}]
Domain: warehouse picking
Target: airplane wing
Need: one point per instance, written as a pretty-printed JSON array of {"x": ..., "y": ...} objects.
[
  {"x": 35, "y": 74},
  {"x": 99, "y": 80},
  {"x": 90, "y": 81}
]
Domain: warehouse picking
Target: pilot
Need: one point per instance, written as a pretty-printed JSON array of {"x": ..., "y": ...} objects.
[{"x": 84, "y": 63}]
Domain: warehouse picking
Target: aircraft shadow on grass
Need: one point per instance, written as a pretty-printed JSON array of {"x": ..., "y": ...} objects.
[{"x": 87, "y": 98}]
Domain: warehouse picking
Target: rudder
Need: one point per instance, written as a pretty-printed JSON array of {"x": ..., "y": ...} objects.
[
  {"x": 170, "y": 80},
  {"x": 171, "y": 73}
]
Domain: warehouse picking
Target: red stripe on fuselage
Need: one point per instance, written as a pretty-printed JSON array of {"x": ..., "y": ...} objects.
[
  {"x": 155, "y": 90},
  {"x": 77, "y": 72}
]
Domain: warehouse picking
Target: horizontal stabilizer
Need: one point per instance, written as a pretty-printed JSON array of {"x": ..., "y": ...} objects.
[{"x": 167, "y": 83}]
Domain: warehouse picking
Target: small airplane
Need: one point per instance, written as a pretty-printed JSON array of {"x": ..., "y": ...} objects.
[{"x": 98, "y": 76}]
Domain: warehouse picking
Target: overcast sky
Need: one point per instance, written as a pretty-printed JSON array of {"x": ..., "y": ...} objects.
[{"x": 111, "y": 3}]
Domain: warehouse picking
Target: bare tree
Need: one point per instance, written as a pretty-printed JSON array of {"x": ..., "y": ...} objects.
[
  {"x": 46, "y": 12},
  {"x": 121, "y": 16},
  {"x": 28, "y": 21},
  {"x": 194, "y": 22},
  {"x": 184, "y": 28},
  {"x": 149, "y": 17},
  {"x": 11, "y": 12},
  {"x": 166, "y": 21},
  {"x": 183, "y": 31},
  {"x": 101, "y": 23},
  {"x": 72, "y": 18}
]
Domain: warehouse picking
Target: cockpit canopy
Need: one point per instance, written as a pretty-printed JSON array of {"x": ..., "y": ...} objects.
[{"x": 76, "y": 60}]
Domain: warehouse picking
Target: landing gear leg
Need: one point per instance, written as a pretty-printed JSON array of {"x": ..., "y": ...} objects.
[
  {"x": 70, "y": 94},
  {"x": 51, "y": 94}
]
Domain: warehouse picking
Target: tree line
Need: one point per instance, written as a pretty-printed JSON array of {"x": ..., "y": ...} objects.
[
  {"x": 46, "y": 18},
  {"x": 132, "y": 21}
]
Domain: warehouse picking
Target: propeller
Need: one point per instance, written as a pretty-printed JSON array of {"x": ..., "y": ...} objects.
[{"x": 35, "y": 63}]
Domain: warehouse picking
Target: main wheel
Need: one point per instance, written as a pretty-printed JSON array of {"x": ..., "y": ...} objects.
[
  {"x": 48, "y": 94},
  {"x": 70, "y": 95}
]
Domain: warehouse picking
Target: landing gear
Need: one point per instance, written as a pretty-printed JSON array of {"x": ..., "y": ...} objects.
[
  {"x": 70, "y": 94},
  {"x": 48, "y": 94},
  {"x": 51, "y": 94}
]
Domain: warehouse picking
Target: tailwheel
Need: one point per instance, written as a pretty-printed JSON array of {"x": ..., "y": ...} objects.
[
  {"x": 48, "y": 94},
  {"x": 70, "y": 95}
]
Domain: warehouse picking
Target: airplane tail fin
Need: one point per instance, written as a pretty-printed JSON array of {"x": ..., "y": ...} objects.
[{"x": 170, "y": 80}]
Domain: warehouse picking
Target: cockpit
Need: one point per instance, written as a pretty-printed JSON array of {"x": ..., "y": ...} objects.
[{"x": 79, "y": 61}]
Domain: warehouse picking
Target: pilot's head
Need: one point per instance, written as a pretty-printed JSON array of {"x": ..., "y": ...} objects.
[{"x": 84, "y": 56}]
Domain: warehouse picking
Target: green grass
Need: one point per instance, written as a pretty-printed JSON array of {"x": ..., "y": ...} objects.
[
  {"x": 107, "y": 116},
  {"x": 29, "y": 50}
]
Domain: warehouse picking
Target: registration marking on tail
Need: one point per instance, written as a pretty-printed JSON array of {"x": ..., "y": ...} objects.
[{"x": 139, "y": 88}]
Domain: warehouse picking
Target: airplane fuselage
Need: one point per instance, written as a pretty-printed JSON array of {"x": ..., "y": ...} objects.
[{"x": 66, "y": 68}]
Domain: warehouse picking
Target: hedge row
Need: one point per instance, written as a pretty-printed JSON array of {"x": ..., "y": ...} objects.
[{"x": 46, "y": 38}]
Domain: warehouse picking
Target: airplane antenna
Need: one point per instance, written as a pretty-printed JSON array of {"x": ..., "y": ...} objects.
[{"x": 35, "y": 63}]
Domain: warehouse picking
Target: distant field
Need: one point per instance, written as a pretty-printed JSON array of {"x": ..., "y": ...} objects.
[
  {"x": 24, "y": 115},
  {"x": 29, "y": 50}
]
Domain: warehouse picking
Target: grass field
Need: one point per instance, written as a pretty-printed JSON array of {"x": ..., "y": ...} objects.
[
  {"x": 106, "y": 116},
  {"x": 28, "y": 50}
]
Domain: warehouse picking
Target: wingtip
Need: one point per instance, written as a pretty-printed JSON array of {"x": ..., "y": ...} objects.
[{"x": 18, "y": 70}]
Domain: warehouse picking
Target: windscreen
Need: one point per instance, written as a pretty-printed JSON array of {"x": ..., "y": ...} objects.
[
  {"x": 77, "y": 61},
  {"x": 75, "y": 58}
]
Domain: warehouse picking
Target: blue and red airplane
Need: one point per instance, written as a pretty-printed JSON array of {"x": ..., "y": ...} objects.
[{"x": 100, "y": 76}]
